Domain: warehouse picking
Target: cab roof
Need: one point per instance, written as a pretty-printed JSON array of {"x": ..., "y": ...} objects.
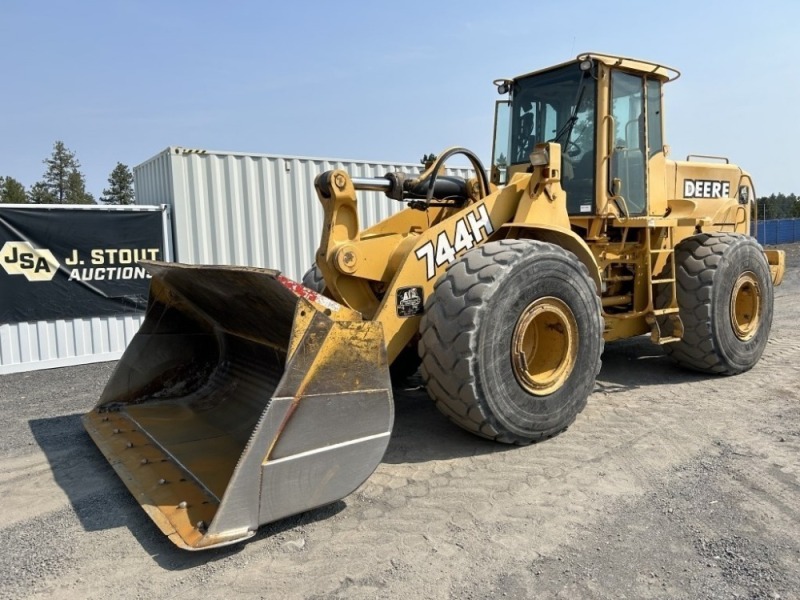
[{"x": 645, "y": 67}]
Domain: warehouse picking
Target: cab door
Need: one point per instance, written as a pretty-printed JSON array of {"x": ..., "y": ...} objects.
[{"x": 628, "y": 165}]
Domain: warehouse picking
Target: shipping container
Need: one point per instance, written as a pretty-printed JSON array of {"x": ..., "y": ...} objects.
[{"x": 259, "y": 210}]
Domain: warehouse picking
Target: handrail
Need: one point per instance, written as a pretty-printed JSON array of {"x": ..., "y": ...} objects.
[{"x": 712, "y": 156}]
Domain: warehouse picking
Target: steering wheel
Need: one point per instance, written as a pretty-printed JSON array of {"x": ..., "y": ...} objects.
[{"x": 571, "y": 148}]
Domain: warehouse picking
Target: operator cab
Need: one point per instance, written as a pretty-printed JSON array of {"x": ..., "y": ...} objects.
[{"x": 608, "y": 132}]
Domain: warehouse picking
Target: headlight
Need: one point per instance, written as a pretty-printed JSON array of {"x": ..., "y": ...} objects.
[{"x": 539, "y": 157}]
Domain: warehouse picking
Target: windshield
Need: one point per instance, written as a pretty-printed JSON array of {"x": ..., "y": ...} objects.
[
  {"x": 542, "y": 110},
  {"x": 558, "y": 106}
]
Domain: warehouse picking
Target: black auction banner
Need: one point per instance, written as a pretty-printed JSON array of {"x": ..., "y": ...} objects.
[{"x": 62, "y": 263}]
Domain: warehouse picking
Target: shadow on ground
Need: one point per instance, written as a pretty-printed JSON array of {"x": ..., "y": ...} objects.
[
  {"x": 637, "y": 362},
  {"x": 421, "y": 433},
  {"x": 101, "y": 501}
]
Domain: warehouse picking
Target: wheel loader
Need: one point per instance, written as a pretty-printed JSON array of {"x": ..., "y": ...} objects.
[{"x": 246, "y": 397}]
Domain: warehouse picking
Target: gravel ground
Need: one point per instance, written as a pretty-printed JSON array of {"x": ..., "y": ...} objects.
[{"x": 669, "y": 485}]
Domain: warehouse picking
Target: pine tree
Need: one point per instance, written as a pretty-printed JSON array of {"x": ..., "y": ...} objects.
[
  {"x": 60, "y": 164},
  {"x": 39, "y": 194},
  {"x": 63, "y": 181},
  {"x": 795, "y": 205},
  {"x": 12, "y": 191},
  {"x": 76, "y": 189},
  {"x": 120, "y": 186}
]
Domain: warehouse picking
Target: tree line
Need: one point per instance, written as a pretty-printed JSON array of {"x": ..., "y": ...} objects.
[
  {"x": 63, "y": 183},
  {"x": 778, "y": 206}
]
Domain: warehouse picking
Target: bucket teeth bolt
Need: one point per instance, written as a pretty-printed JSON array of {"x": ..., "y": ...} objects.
[
  {"x": 201, "y": 525},
  {"x": 183, "y": 504},
  {"x": 162, "y": 481},
  {"x": 116, "y": 430},
  {"x": 144, "y": 461},
  {"x": 129, "y": 444}
]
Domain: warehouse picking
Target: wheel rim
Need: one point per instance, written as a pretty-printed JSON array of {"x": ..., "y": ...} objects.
[
  {"x": 544, "y": 346},
  {"x": 746, "y": 306}
]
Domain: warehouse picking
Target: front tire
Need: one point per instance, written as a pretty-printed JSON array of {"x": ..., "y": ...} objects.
[
  {"x": 725, "y": 296},
  {"x": 511, "y": 340}
]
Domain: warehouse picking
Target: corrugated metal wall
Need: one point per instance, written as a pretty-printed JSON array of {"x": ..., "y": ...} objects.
[
  {"x": 252, "y": 209},
  {"x": 777, "y": 231},
  {"x": 46, "y": 344}
]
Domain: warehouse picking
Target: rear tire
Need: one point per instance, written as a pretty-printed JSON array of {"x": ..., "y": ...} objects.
[
  {"x": 511, "y": 340},
  {"x": 725, "y": 296}
]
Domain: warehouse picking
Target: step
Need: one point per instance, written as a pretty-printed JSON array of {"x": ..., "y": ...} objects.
[{"x": 665, "y": 311}]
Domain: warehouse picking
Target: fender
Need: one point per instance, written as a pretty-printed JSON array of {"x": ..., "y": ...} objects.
[{"x": 559, "y": 236}]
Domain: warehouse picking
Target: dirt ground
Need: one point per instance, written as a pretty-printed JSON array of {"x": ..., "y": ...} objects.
[{"x": 669, "y": 485}]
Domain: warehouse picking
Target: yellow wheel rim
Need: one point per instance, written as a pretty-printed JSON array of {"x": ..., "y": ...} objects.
[
  {"x": 746, "y": 306},
  {"x": 544, "y": 346}
]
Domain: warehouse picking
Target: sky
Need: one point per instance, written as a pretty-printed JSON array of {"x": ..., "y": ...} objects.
[{"x": 383, "y": 81}]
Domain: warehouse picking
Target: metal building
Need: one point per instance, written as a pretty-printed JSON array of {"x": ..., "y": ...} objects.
[{"x": 252, "y": 209}]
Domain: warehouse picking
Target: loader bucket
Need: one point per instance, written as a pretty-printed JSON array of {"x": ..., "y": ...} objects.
[{"x": 240, "y": 402}]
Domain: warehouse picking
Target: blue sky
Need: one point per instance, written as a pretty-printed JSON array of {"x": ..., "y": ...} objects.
[{"x": 120, "y": 81}]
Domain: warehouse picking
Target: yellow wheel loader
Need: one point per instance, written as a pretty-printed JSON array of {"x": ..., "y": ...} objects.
[{"x": 246, "y": 397}]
